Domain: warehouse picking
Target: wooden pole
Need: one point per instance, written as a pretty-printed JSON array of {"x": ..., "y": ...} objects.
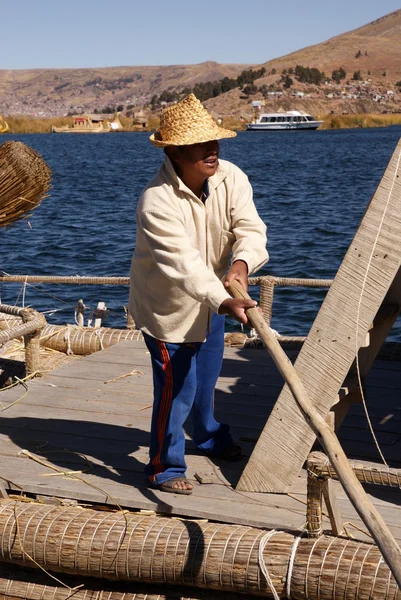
[
  {"x": 370, "y": 516},
  {"x": 32, "y": 341}
]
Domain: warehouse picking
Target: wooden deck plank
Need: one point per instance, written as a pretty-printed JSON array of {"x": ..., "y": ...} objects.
[
  {"x": 104, "y": 403},
  {"x": 242, "y": 423},
  {"x": 227, "y": 505},
  {"x": 63, "y": 424},
  {"x": 126, "y": 384}
]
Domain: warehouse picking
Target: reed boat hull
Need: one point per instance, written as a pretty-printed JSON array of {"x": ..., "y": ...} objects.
[{"x": 67, "y": 129}]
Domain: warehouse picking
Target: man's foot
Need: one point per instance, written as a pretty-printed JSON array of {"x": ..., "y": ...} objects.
[{"x": 175, "y": 485}]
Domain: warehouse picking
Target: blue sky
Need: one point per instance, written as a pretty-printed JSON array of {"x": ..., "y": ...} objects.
[{"x": 88, "y": 33}]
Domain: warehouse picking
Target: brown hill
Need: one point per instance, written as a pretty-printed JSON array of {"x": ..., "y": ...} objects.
[
  {"x": 379, "y": 45},
  {"x": 47, "y": 92}
]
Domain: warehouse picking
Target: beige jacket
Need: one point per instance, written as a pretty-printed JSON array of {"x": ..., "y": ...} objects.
[{"x": 184, "y": 246}]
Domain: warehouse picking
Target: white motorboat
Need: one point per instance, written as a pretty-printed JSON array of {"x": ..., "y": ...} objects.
[{"x": 291, "y": 119}]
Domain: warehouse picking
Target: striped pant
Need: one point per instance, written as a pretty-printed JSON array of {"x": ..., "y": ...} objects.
[{"x": 184, "y": 378}]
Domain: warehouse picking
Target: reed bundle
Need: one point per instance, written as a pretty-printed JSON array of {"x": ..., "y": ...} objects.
[
  {"x": 8, "y": 321},
  {"x": 134, "y": 547},
  {"x": 24, "y": 181},
  {"x": 84, "y": 340},
  {"x": 72, "y": 339},
  {"x": 319, "y": 465},
  {"x": 17, "y": 583}
]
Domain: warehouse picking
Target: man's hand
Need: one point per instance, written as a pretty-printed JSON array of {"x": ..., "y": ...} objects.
[
  {"x": 236, "y": 307},
  {"x": 238, "y": 271}
]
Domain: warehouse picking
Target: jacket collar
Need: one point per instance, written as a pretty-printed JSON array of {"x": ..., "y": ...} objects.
[{"x": 171, "y": 174}]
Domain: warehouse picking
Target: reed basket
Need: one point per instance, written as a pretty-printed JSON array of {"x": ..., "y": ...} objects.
[{"x": 24, "y": 181}]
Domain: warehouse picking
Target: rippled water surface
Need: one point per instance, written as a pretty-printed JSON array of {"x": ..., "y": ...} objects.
[{"x": 310, "y": 188}]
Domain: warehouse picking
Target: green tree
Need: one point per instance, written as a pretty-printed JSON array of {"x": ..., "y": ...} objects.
[
  {"x": 357, "y": 76},
  {"x": 227, "y": 84},
  {"x": 287, "y": 83},
  {"x": 250, "y": 89},
  {"x": 309, "y": 75},
  {"x": 338, "y": 75}
]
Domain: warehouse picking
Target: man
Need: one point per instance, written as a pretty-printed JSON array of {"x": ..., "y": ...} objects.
[{"x": 194, "y": 215}]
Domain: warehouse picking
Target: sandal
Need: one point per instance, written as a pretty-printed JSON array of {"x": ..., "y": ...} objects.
[
  {"x": 168, "y": 486},
  {"x": 231, "y": 453}
]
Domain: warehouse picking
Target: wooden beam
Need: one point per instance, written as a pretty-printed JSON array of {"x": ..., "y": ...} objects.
[{"x": 368, "y": 277}]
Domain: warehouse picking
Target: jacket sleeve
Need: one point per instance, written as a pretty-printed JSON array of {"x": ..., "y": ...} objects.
[
  {"x": 248, "y": 228},
  {"x": 179, "y": 261}
]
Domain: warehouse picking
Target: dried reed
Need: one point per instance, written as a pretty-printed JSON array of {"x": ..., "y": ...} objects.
[
  {"x": 28, "y": 584},
  {"x": 24, "y": 181},
  {"x": 84, "y": 340},
  {"x": 372, "y": 473},
  {"x": 29, "y": 124},
  {"x": 72, "y": 339},
  {"x": 132, "y": 547}
]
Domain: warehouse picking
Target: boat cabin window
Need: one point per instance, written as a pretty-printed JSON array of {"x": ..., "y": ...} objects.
[
  {"x": 309, "y": 118},
  {"x": 273, "y": 119},
  {"x": 264, "y": 120}
]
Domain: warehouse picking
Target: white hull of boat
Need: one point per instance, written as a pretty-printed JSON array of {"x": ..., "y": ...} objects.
[{"x": 282, "y": 126}]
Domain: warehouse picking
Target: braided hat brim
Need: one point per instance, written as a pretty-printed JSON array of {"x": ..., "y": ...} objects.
[
  {"x": 197, "y": 137},
  {"x": 188, "y": 122}
]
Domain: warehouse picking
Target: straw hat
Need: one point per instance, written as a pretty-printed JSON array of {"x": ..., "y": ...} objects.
[{"x": 187, "y": 122}]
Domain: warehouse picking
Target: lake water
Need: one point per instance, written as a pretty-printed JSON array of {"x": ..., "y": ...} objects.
[{"x": 310, "y": 188}]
